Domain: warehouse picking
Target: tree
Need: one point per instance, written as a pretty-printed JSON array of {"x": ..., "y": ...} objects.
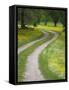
[
  {"x": 22, "y": 18},
  {"x": 62, "y": 17},
  {"x": 54, "y": 14},
  {"x": 25, "y": 17},
  {"x": 46, "y": 17},
  {"x": 38, "y": 16}
]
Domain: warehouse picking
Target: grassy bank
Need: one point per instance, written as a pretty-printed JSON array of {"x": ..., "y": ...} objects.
[
  {"x": 53, "y": 28},
  {"x": 28, "y": 35},
  {"x": 22, "y": 57},
  {"x": 52, "y": 59}
]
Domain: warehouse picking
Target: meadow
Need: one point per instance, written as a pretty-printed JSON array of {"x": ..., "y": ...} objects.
[
  {"x": 52, "y": 59},
  {"x": 34, "y": 24},
  {"x": 22, "y": 57},
  {"x": 27, "y": 35}
]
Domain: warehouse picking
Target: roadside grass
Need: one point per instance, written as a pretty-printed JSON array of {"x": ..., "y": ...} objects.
[
  {"x": 52, "y": 59},
  {"x": 58, "y": 28},
  {"x": 28, "y": 35},
  {"x": 22, "y": 57}
]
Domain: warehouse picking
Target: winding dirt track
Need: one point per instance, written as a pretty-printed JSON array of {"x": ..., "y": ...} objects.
[
  {"x": 22, "y": 48},
  {"x": 32, "y": 72}
]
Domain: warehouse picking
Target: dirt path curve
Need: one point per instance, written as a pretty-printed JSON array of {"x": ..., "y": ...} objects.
[
  {"x": 32, "y": 72},
  {"x": 22, "y": 48}
]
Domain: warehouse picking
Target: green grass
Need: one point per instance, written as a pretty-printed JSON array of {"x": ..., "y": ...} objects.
[
  {"x": 22, "y": 57},
  {"x": 28, "y": 35},
  {"x": 53, "y": 28},
  {"x": 25, "y": 36},
  {"x": 52, "y": 59}
]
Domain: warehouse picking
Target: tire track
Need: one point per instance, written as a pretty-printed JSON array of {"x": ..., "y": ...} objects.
[{"x": 32, "y": 72}]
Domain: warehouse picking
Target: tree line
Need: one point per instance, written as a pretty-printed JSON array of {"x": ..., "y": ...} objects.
[{"x": 35, "y": 16}]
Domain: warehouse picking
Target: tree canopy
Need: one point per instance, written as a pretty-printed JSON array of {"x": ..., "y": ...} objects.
[{"x": 34, "y": 17}]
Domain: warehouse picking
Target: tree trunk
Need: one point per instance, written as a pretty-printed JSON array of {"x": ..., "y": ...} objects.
[
  {"x": 55, "y": 23},
  {"x": 22, "y": 19},
  {"x": 46, "y": 21},
  {"x": 34, "y": 24}
]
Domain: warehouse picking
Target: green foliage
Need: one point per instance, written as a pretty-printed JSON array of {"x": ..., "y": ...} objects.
[
  {"x": 54, "y": 15},
  {"x": 62, "y": 18},
  {"x": 36, "y": 16}
]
